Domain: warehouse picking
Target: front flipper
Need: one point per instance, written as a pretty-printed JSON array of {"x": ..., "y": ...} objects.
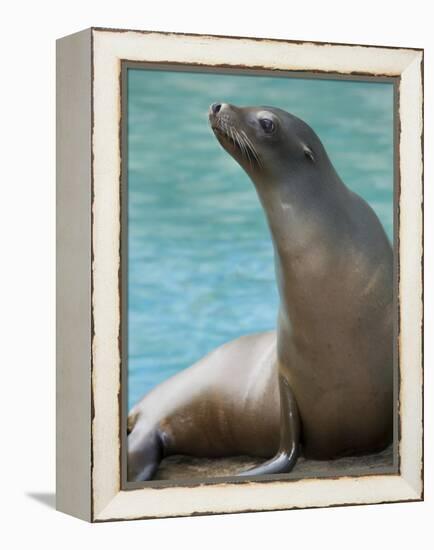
[
  {"x": 286, "y": 457},
  {"x": 145, "y": 451}
]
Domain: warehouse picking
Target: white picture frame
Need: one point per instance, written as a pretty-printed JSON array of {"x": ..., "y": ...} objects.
[{"x": 89, "y": 374}]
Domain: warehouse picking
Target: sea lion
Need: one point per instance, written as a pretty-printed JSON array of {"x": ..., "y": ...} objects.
[{"x": 323, "y": 382}]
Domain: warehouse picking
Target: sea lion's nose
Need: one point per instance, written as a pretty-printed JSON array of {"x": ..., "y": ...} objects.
[{"x": 215, "y": 108}]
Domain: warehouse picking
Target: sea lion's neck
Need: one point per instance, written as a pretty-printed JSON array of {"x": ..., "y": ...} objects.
[
  {"x": 306, "y": 219},
  {"x": 300, "y": 209}
]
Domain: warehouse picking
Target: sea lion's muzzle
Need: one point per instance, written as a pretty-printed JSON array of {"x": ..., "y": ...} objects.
[
  {"x": 215, "y": 108},
  {"x": 221, "y": 114},
  {"x": 227, "y": 124},
  {"x": 220, "y": 108},
  {"x": 223, "y": 122}
]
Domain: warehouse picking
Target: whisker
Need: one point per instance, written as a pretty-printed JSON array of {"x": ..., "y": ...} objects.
[
  {"x": 236, "y": 140},
  {"x": 242, "y": 146},
  {"x": 242, "y": 141},
  {"x": 249, "y": 153},
  {"x": 232, "y": 136},
  {"x": 252, "y": 148}
]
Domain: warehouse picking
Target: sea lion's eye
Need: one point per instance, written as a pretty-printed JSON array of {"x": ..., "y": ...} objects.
[{"x": 267, "y": 125}]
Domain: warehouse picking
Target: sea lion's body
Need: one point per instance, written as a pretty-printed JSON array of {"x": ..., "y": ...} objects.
[
  {"x": 210, "y": 413},
  {"x": 324, "y": 380}
]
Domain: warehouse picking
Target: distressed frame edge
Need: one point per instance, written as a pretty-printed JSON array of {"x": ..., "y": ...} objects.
[
  {"x": 410, "y": 491},
  {"x": 253, "y": 38},
  {"x": 411, "y": 151}
]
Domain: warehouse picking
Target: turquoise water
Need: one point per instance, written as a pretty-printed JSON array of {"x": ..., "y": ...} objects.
[{"x": 200, "y": 266}]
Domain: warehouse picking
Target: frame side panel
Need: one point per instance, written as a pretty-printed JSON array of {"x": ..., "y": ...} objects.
[{"x": 73, "y": 275}]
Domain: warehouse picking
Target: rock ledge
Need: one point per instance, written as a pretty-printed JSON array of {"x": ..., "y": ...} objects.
[{"x": 180, "y": 467}]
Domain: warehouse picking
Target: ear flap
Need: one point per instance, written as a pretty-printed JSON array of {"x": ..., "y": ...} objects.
[{"x": 308, "y": 153}]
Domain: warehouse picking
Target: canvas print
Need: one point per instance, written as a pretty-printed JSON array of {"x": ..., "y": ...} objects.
[{"x": 258, "y": 275}]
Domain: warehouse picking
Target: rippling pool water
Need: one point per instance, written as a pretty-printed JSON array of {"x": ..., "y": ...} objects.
[{"x": 200, "y": 266}]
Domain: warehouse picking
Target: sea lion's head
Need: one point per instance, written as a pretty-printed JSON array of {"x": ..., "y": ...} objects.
[{"x": 265, "y": 141}]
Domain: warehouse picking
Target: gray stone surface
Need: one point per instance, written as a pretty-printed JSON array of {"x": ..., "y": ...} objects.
[{"x": 180, "y": 467}]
